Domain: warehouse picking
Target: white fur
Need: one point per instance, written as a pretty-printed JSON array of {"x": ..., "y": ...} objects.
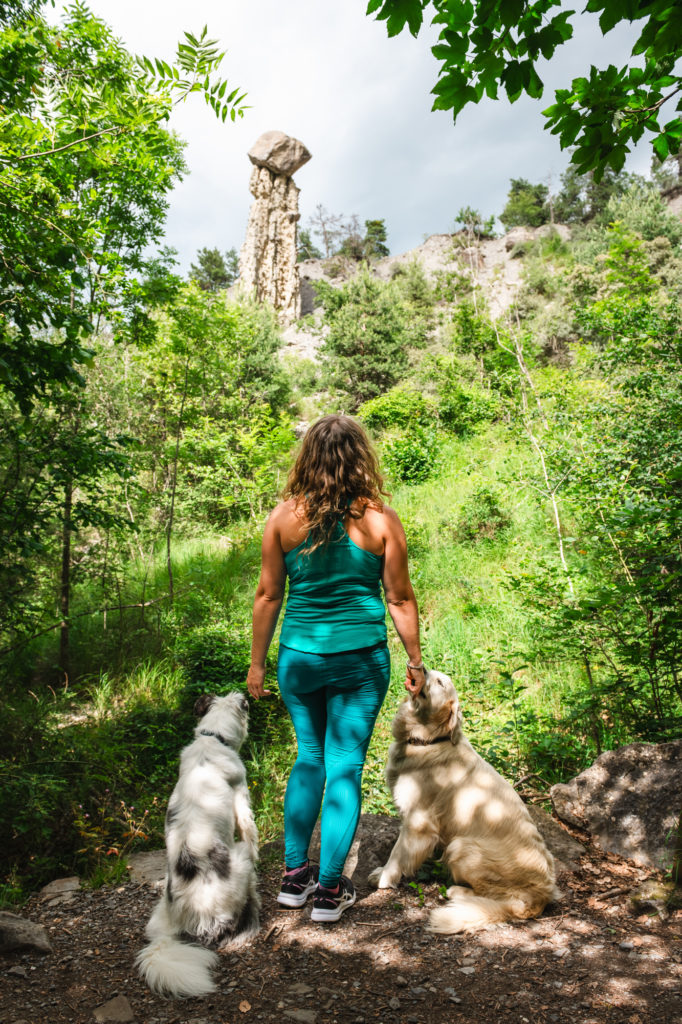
[
  {"x": 210, "y": 892},
  {"x": 449, "y": 797}
]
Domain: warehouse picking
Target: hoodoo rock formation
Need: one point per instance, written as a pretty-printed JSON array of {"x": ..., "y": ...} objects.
[{"x": 267, "y": 262}]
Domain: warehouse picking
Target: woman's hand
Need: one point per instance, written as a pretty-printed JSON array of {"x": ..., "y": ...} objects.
[
  {"x": 415, "y": 679},
  {"x": 255, "y": 680}
]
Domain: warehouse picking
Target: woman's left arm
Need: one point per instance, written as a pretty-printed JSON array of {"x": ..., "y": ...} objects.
[{"x": 266, "y": 605}]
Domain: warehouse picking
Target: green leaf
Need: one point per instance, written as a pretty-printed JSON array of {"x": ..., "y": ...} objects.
[{"x": 661, "y": 147}]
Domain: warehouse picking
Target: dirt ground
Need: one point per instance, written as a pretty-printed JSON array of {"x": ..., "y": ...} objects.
[{"x": 587, "y": 960}]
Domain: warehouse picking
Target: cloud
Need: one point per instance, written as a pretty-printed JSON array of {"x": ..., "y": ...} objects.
[{"x": 328, "y": 75}]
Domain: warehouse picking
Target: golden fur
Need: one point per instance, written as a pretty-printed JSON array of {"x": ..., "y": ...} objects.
[{"x": 449, "y": 797}]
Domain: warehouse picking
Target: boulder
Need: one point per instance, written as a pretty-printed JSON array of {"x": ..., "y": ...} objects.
[
  {"x": 518, "y": 236},
  {"x": 18, "y": 933},
  {"x": 60, "y": 887},
  {"x": 377, "y": 833},
  {"x": 374, "y": 839},
  {"x": 566, "y": 850},
  {"x": 630, "y": 801},
  {"x": 148, "y": 868},
  {"x": 279, "y": 153}
]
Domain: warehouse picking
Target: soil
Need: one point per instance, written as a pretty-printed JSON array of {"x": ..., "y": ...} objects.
[{"x": 587, "y": 960}]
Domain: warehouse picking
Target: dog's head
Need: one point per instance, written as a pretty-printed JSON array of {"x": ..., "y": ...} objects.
[
  {"x": 435, "y": 710},
  {"x": 227, "y": 716}
]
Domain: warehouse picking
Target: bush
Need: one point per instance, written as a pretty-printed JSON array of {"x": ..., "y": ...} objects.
[
  {"x": 460, "y": 408},
  {"x": 412, "y": 457},
  {"x": 481, "y": 517},
  {"x": 214, "y": 656},
  {"x": 399, "y": 407}
]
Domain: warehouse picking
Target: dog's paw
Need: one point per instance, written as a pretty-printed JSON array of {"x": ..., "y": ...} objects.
[{"x": 380, "y": 880}]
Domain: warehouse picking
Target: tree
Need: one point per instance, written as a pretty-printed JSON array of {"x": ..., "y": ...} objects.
[
  {"x": 307, "y": 250},
  {"x": 375, "y": 239},
  {"x": 365, "y": 351},
  {"x": 488, "y": 45},
  {"x": 86, "y": 165},
  {"x": 474, "y": 224},
  {"x": 352, "y": 244},
  {"x": 213, "y": 270},
  {"x": 668, "y": 173},
  {"x": 581, "y": 197},
  {"x": 77, "y": 111},
  {"x": 526, "y": 205},
  {"x": 328, "y": 227}
]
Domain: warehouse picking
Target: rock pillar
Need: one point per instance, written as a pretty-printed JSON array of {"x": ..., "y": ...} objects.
[{"x": 267, "y": 262}]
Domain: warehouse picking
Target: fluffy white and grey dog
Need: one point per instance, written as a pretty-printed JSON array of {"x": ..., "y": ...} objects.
[
  {"x": 450, "y": 797},
  {"x": 210, "y": 891}
]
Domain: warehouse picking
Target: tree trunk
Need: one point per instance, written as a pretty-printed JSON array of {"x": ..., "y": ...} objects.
[
  {"x": 65, "y": 581},
  {"x": 677, "y": 856},
  {"x": 171, "y": 511}
]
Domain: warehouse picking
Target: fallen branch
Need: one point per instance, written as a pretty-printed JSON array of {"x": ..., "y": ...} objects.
[{"x": 80, "y": 615}]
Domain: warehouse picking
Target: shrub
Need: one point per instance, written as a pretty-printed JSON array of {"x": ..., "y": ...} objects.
[
  {"x": 482, "y": 517},
  {"x": 461, "y": 408},
  {"x": 215, "y": 657},
  {"x": 412, "y": 457},
  {"x": 399, "y": 407}
]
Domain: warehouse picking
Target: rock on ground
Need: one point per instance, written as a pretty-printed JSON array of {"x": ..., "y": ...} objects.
[
  {"x": 148, "y": 867},
  {"x": 630, "y": 801},
  {"x": 117, "y": 1009},
  {"x": 17, "y": 933}
]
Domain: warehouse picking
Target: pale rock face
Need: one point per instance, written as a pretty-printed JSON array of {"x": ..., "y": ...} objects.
[{"x": 267, "y": 262}]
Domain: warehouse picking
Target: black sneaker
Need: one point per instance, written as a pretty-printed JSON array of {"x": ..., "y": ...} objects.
[
  {"x": 329, "y": 906},
  {"x": 297, "y": 886}
]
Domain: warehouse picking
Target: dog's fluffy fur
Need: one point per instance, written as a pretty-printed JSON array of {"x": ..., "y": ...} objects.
[
  {"x": 449, "y": 797},
  {"x": 210, "y": 891}
]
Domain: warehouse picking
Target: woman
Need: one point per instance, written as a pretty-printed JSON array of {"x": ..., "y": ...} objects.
[{"x": 337, "y": 543}]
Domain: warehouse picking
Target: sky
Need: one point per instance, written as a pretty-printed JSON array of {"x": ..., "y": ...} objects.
[{"x": 322, "y": 71}]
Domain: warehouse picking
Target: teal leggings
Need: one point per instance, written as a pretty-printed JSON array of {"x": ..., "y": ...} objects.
[{"x": 333, "y": 700}]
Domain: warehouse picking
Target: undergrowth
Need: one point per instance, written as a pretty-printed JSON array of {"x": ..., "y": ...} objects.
[{"x": 89, "y": 769}]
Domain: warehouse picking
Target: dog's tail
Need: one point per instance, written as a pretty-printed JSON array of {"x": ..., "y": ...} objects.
[
  {"x": 171, "y": 967},
  {"x": 467, "y": 912}
]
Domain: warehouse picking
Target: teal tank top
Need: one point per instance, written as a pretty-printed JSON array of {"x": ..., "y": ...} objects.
[{"x": 334, "y": 602}]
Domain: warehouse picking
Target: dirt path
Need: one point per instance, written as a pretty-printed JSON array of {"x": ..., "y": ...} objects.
[{"x": 588, "y": 959}]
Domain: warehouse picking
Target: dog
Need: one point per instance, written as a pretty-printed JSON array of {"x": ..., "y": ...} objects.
[
  {"x": 210, "y": 890},
  {"x": 450, "y": 797}
]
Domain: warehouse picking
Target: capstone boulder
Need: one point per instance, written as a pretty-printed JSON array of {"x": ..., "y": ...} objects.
[{"x": 280, "y": 153}]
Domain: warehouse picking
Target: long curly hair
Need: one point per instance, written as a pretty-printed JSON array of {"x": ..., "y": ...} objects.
[{"x": 336, "y": 474}]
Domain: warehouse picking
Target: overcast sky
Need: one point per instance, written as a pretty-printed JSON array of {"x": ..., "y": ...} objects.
[{"x": 322, "y": 71}]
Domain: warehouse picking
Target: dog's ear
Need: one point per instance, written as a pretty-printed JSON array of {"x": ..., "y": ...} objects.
[
  {"x": 203, "y": 704},
  {"x": 455, "y": 719}
]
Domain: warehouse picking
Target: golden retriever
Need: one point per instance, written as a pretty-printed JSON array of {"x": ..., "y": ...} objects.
[{"x": 449, "y": 797}]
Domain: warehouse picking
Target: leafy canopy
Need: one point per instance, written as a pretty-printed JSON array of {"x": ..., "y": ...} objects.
[{"x": 488, "y": 45}]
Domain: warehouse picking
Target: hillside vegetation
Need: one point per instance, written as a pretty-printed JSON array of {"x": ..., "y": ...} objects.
[{"x": 535, "y": 459}]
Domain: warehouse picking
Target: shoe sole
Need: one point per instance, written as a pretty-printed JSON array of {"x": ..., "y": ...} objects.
[
  {"x": 286, "y": 899},
  {"x": 332, "y": 915}
]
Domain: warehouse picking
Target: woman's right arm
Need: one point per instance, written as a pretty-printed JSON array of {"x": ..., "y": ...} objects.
[
  {"x": 400, "y": 598},
  {"x": 266, "y": 605}
]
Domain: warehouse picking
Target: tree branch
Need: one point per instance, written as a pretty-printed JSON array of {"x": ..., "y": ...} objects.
[{"x": 69, "y": 145}]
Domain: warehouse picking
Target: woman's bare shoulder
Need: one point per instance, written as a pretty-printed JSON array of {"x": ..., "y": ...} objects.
[
  {"x": 287, "y": 523},
  {"x": 285, "y": 512},
  {"x": 385, "y": 518}
]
